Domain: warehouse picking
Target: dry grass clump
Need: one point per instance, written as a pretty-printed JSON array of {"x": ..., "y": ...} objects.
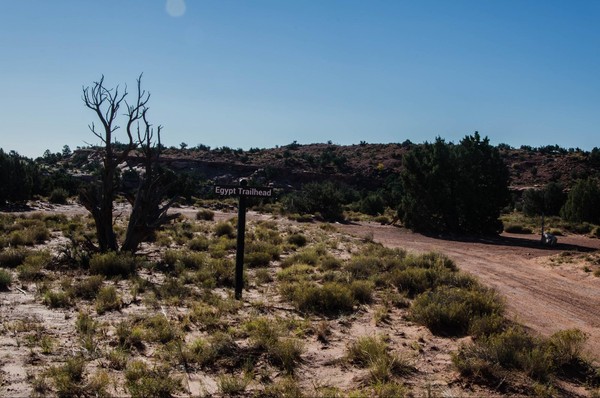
[
  {"x": 56, "y": 299},
  {"x": 266, "y": 336},
  {"x": 87, "y": 288},
  {"x": 199, "y": 244},
  {"x": 331, "y": 298},
  {"x": 297, "y": 239},
  {"x": 143, "y": 381},
  {"x": 489, "y": 357},
  {"x": 224, "y": 228},
  {"x": 517, "y": 229},
  {"x": 113, "y": 264},
  {"x": 69, "y": 380},
  {"x": 108, "y": 299},
  {"x": 374, "y": 353},
  {"x": 12, "y": 257},
  {"x": 260, "y": 254},
  {"x": 450, "y": 311},
  {"x": 205, "y": 215},
  {"x": 5, "y": 279},
  {"x": 31, "y": 268}
]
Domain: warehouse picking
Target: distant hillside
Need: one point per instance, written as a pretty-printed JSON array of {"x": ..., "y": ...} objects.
[{"x": 364, "y": 165}]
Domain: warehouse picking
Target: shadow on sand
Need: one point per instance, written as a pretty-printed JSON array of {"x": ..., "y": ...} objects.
[{"x": 513, "y": 241}]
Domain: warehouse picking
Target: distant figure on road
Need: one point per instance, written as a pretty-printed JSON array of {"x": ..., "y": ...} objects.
[{"x": 549, "y": 239}]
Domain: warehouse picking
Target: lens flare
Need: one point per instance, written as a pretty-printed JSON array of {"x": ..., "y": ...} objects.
[{"x": 175, "y": 8}]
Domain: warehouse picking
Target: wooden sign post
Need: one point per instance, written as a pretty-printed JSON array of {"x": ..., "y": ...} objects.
[{"x": 243, "y": 191}]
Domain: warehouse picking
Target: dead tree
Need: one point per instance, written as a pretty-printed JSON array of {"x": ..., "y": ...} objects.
[
  {"x": 148, "y": 213},
  {"x": 98, "y": 198}
]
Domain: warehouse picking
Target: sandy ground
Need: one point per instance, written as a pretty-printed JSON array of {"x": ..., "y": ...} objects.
[
  {"x": 545, "y": 289},
  {"x": 540, "y": 295}
]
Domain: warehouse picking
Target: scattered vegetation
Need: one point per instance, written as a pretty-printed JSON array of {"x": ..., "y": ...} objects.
[{"x": 149, "y": 320}]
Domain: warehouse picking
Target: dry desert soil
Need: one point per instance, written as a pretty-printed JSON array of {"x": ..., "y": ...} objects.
[{"x": 546, "y": 289}]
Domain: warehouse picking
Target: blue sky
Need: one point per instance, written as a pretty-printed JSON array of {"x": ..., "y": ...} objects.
[{"x": 265, "y": 73}]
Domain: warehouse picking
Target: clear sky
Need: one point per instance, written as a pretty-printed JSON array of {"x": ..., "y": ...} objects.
[{"x": 261, "y": 73}]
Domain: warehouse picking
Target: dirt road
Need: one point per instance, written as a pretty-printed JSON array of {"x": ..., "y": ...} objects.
[{"x": 539, "y": 295}]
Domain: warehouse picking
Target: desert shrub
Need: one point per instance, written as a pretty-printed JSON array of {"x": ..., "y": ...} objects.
[
  {"x": 330, "y": 299},
  {"x": 174, "y": 289},
  {"x": 365, "y": 350},
  {"x": 310, "y": 256},
  {"x": 54, "y": 299},
  {"x": 34, "y": 263},
  {"x": 5, "y": 279},
  {"x": 219, "y": 272},
  {"x": 58, "y": 196},
  {"x": 450, "y": 310},
  {"x": 257, "y": 259},
  {"x": 297, "y": 239},
  {"x": 286, "y": 353},
  {"x": 362, "y": 267},
  {"x": 517, "y": 229},
  {"x": 205, "y": 316},
  {"x": 142, "y": 381},
  {"x": 85, "y": 324},
  {"x": 266, "y": 335},
  {"x": 159, "y": 329},
  {"x": 514, "y": 348},
  {"x": 262, "y": 332},
  {"x": 374, "y": 353},
  {"x": 296, "y": 273},
  {"x": 113, "y": 264},
  {"x": 263, "y": 276},
  {"x": 362, "y": 291},
  {"x": 265, "y": 232},
  {"x": 232, "y": 385},
  {"x": 199, "y": 243},
  {"x": 487, "y": 325},
  {"x": 390, "y": 389},
  {"x": 12, "y": 257},
  {"x": 273, "y": 250},
  {"x": 329, "y": 263},
  {"x": 566, "y": 346},
  {"x": 219, "y": 350},
  {"x": 107, "y": 299},
  {"x": 205, "y": 215},
  {"x": 286, "y": 387},
  {"x": 88, "y": 288},
  {"x": 129, "y": 335},
  {"x": 182, "y": 258},
  {"x": 68, "y": 379},
  {"x": 383, "y": 220},
  {"x": 221, "y": 246},
  {"x": 28, "y": 232},
  {"x": 224, "y": 229}
]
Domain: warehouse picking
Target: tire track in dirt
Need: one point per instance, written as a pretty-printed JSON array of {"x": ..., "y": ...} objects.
[{"x": 543, "y": 298}]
